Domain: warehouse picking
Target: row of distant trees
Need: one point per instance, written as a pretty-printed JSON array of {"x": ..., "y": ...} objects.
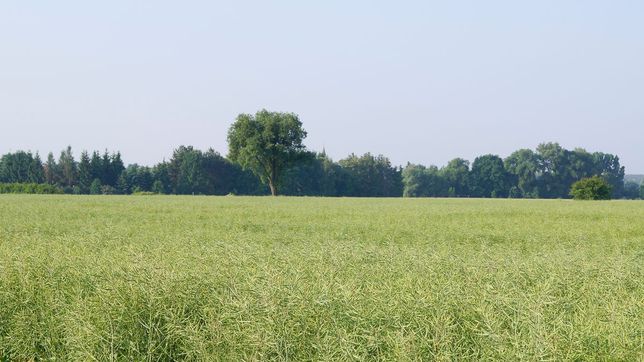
[
  {"x": 547, "y": 172},
  {"x": 192, "y": 171},
  {"x": 266, "y": 155}
]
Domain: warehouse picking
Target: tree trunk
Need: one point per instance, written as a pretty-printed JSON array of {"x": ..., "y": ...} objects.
[{"x": 271, "y": 179}]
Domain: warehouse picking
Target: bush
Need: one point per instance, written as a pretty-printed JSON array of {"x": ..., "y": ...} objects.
[
  {"x": 144, "y": 193},
  {"x": 29, "y": 188},
  {"x": 158, "y": 188},
  {"x": 108, "y": 190},
  {"x": 515, "y": 193},
  {"x": 592, "y": 188},
  {"x": 95, "y": 187}
]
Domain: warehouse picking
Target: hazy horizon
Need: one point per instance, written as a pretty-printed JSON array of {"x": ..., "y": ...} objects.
[{"x": 416, "y": 81}]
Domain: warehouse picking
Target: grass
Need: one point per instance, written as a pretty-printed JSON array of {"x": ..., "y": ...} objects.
[{"x": 235, "y": 278}]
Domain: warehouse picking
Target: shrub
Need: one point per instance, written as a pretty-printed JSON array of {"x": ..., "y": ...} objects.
[
  {"x": 515, "y": 193},
  {"x": 29, "y": 188},
  {"x": 591, "y": 188},
  {"x": 108, "y": 190},
  {"x": 144, "y": 193},
  {"x": 95, "y": 187},
  {"x": 157, "y": 187}
]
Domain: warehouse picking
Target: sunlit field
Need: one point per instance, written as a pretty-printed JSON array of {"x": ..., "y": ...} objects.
[{"x": 242, "y": 278}]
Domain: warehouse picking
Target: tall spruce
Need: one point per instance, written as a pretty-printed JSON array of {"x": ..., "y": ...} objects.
[{"x": 85, "y": 176}]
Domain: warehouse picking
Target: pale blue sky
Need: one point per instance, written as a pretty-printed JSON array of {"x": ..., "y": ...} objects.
[{"x": 419, "y": 81}]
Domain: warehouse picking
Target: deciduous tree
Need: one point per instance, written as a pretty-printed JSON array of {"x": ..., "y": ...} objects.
[{"x": 268, "y": 143}]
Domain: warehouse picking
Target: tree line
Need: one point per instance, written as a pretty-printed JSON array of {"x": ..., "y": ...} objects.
[
  {"x": 193, "y": 171},
  {"x": 266, "y": 155},
  {"x": 547, "y": 172}
]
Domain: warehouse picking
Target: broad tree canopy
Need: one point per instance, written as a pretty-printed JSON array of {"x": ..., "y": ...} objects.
[{"x": 268, "y": 143}]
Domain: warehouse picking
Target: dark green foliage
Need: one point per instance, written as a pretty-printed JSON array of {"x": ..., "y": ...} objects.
[
  {"x": 368, "y": 175},
  {"x": 29, "y": 188},
  {"x": 96, "y": 166},
  {"x": 161, "y": 173},
  {"x": 135, "y": 178},
  {"x": 191, "y": 171},
  {"x": 560, "y": 168},
  {"x": 268, "y": 143},
  {"x": 457, "y": 175},
  {"x": 107, "y": 168},
  {"x": 108, "y": 190},
  {"x": 631, "y": 190},
  {"x": 68, "y": 168},
  {"x": 36, "y": 171},
  {"x": 554, "y": 166},
  {"x": 591, "y": 188},
  {"x": 158, "y": 188},
  {"x": 421, "y": 181},
  {"x": 311, "y": 176},
  {"x": 187, "y": 171},
  {"x": 72, "y": 176},
  {"x": 20, "y": 167},
  {"x": 548, "y": 172},
  {"x": 371, "y": 175},
  {"x": 50, "y": 169},
  {"x": 115, "y": 169},
  {"x": 95, "y": 187},
  {"x": 609, "y": 168},
  {"x": 489, "y": 177},
  {"x": 515, "y": 193},
  {"x": 84, "y": 173},
  {"x": 523, "y": 166},
  {"x": 246, "y": 183},
  {"x": 144, "y": 193}
]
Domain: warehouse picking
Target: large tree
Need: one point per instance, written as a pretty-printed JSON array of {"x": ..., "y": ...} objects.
[
  {"x": 489, "y": 177},
  {"x": 523, "y": 166},
  {"x": 207, "y": 173},
  {"x": 312, "y": 176},
  {"x": 135, "y": 178},
  {"x": 421, "y": 181},
  {"x": 68, "y": 167},
  {"x": 631, "y": 190},
  {"x": 555, "y": 169},
  {"x": 84, "y": 173},
  {"x": 456, "y": 174},
  {"x": 268, "y": 143},
  {"x": 52, "y": 174},
  {"x": 372, "y": 176},
  {"x": 608, "y": 167}
]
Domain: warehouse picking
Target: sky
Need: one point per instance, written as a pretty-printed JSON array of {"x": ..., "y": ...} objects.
[{"x": 416, "y": 81}]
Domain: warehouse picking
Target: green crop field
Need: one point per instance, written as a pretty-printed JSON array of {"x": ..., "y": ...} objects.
[{"x": 242, "y": 278}]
